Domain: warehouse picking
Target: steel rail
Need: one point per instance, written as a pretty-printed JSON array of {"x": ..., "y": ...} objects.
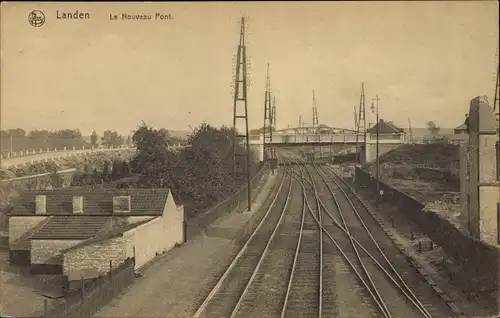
[
  {"x": 264, "y": 253},
  {"x": 296, "y": 256},
  {"x": 215, "y": 289},
  {"x": 417, "y": 302},
  {"x": 380, "y": 266},
  {"x": 365, "y": 270},
  {"x": 299, "y": 179},
  {"x": 371, "y": 256}
]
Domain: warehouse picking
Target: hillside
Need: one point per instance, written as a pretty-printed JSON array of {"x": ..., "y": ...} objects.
[
  {"x": 440, "y": 156},
  {"x": 8, "y": 193},
  {"x": 428, "y": 172}
]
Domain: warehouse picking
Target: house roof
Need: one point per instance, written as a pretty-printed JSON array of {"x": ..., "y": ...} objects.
[
  {"x": 385, "y": 127},
  {"x": 106, "y": 235},
  {"x": 70, "y": 227},
  {"x": 461, "y": 127},
  {"x": 96, "y": 201}
]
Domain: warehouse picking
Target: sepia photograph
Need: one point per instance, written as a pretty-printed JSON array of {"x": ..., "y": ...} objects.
[{"x": 250, "y": 159}]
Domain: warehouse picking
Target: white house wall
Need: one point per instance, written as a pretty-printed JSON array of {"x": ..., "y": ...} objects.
[{"x": 158, "y": 235}]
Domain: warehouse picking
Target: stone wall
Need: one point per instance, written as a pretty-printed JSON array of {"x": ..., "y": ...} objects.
[
  {"x": 95, "y": 256},
  {"x": 46, "y": 257},
  {"x": 479, "y": 262}
]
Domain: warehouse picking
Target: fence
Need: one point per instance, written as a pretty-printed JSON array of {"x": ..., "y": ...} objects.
[
  {"x": 90, "y": 297},
  {"x": 478, "y": 261},
  {"x": 202, "y": 220},
  {"x": 32, "y": 152}
]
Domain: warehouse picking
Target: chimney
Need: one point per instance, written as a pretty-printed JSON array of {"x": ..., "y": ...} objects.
[
  {"x": 121, "y": 203},
  {"x": 40, "y": 204},
  {"x": 77, "y": 204}
]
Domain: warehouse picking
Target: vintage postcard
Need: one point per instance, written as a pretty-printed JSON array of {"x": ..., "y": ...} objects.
[{"x": 249, "y": 159}]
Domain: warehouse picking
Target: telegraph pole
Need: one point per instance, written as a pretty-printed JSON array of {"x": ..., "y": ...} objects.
[
  {"x": 273, "y": 129},
  {"x": 267, "y": 119},
  {"x": 410, "y": 131},
  {"x": 240, "y": 111},
  {"x": 361, "y": 122},
  {"x": 315, "y": 124},
  {"x": 377, "y": 150}
]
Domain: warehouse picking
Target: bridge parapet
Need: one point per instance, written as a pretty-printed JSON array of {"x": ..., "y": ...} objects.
[{"x": 289, "y": 138}]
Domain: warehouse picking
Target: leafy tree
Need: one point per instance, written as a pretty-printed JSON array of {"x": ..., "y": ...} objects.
[
  {"x": 116, "y": 172},
  {"x": 151, "y": 159},
  {"x": 56, "y": 180},
  {"x": 93, "y": 138},
  {"x": 95, "y": 177},
  {"x": 433, "y": 128},
  {"x": 125, "y": 169},
  {"x": 112, "y": 138},
  {"x": 105, "y": 172}
]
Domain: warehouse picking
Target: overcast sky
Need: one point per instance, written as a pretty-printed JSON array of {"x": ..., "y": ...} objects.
[{"x": 426, "y": 61}]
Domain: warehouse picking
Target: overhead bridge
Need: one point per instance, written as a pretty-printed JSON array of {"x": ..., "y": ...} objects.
[
  {"x": 336, "y": 139},
  {"x": 310, "y": 136}
]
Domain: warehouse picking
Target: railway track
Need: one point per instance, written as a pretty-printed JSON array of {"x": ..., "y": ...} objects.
[
  {"x": 385, "y": 288},
  {"x": 325, "y": 259},
  {"x": 395, "y": 262},
  {"x": 284, "y": 278},
  {"x": 235, "y": 293}
]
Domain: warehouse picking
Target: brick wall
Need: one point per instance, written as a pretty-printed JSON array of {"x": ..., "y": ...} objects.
[
  {"x": 19, "y": 227},
  {"x": 96, "y": 256},
  {"x": 478, "y": 261},
  {"x": 47, "y": 251}
]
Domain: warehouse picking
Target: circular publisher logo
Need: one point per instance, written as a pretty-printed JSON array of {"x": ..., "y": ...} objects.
[{"x": 36, "y": 18}]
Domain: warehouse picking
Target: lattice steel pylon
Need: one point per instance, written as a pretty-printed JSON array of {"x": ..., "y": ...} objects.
[
  {"x": 267, "y": 118},
  {"x": 273, "y": 116},
  {"x": 410, "y": 132},
  {"x": 240, "y": 112},
  {"x": 315, "y": 113},
  {"x": 273, "y": 129},
  {"x": 361, "y": 124}
]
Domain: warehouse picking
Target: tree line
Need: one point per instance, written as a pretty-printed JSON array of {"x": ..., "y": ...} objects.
[
  {"x": 199, "y": 175},
  {"x": 19, "y": 139},
  {"x": 110, "y": 172}
]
